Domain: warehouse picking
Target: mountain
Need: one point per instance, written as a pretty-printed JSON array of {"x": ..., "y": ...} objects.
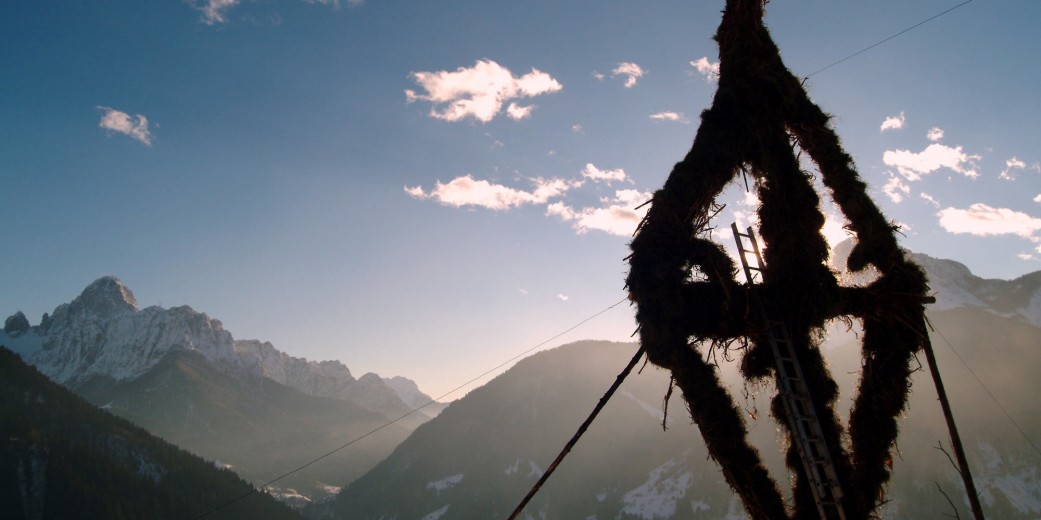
[
  {"x": 481, "y": 455},
  {"x": 410, "y": 393},
  {"x": 181, "y": 375},
  {"x": 61, "y": 457},
  {"x": 954, "y": 286}
]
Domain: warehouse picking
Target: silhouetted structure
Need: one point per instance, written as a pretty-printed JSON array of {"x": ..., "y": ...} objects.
[{"x": 688, "y": 298}]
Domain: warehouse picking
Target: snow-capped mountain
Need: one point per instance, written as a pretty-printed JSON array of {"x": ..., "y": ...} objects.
[
  {"x": 181, "y": 375},
  {"x": 103, "y": 333},
  {"x": 955, "y": 286}
]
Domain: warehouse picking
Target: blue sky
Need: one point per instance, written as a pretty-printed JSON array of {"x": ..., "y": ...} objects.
[{"x": 428, "y": 188}]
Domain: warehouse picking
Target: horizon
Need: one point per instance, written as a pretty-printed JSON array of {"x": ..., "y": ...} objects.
[{"x": 426, "y": 191}]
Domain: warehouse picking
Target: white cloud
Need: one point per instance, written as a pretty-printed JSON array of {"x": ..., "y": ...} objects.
[
  {"x": 934, "y": 134},
  {"x": 517, "y": 112},
  {"x": 576, "y": 128},
  {"x": 935, "y": 156},
  {"x": 214, "y": 11},
  {"x": 895, "y": 189},
  {"x": 599, "y": 76},
  {"x": 123, "y": 123},
  {"x": 709, "y": 69},
  {"x": 930, "y": 199},
  {"x": 596, "y": 174},
  {"x": 467, "y": 191},
  {"x": 479, "y": 91},
  {"x": 669, "y": 116},
  {"x": 631, "y": 71},
  {"x": 1025, "y": 256},
  {"x": 562, "y": 297},
  {"x": 893, "y": 123},
  {"x": 617, "y": 216},
  {"x": 1014, "y": 165},
  {"x": 1038, "y": 199},
  {"x": 983, "y": 220}
]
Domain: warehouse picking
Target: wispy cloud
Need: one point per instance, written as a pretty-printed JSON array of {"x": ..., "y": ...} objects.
[
  {"x": 930, "y": 199},
  {"x": 123, "y": 123},
  {"x": 709, "y": 69},
  {"x": 669, "y": 116},
  {"x": 983, "y": 220},
  {"x": 896, "y": 189},
  {"x": 596, "y": 174},
  {"x": 630, "y": 71},
  {"x": 467, "y": 191},
  {"x": 914, "y": 165},
  {"x": 934, "y": 134},
  {"x": 616, "y": 216},
  {"x": 893, "y": 123},
  {"x": 576, "y": 128},
  {"x": 1014, "y": 166},
  {"x": 562, "y": 297},
  {"x": 479, "y": 91},
  {"x": 214, "y": 11}
]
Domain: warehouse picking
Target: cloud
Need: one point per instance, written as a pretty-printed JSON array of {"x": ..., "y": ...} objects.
[
  {"x": 576, "y": 128},
  {"x": 930, "y": 199},
  {"x": 617, "y": 216},
  {"x": 669, "y": 116},
  {"x": 1014, "y": 165},
  {"x": 517, "y": 112},
  {"x": 599, "y": 76},
  {"x": 562, "y": 297},
  {"x": 123, "y": 123},
  {"x": 893, "y": 123},
  {"x": 935, "y": 156},
  {"x": 1038, "y": 199},
  {"x": 934, "y": 134},
  {"x": 479, "y": 91},
  {"x": 982, "y": 220},
  {"x": 709, "y": 69},
  {"x": 631, "y": 71},
  {"x": 214, "y": 11},
  {"x": 467, "y": 191},
  {"x": 596, "y": 174},
  {"x": 895, "y": 189}
]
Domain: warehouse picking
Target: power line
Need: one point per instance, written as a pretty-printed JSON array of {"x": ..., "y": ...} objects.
[
  {"x": 865, "y": 49},
  {"x": 402, "y": 417}
]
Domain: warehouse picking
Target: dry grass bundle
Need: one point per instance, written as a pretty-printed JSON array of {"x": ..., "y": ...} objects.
[{"x": 686, "y": 292}]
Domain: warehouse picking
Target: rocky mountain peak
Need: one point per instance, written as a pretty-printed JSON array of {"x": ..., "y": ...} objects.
[{"x": 103, "y": 299}]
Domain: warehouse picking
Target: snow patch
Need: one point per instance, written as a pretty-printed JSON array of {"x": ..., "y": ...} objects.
[
  {"x": 445, "y": 483},
  {"x": 534, "y": 471},
  {"x": 653, "y": 411},
  {"x": 437, "y": 514},
  {"x": 657, "y": 497},
  {"x": 512, "y": 469}
]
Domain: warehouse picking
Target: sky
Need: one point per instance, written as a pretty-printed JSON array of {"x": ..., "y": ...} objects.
[{"x": 427, "y": 189}]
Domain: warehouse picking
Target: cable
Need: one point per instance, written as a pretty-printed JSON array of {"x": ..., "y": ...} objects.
[
  {"x": 987, "y": 390},
  {"x": 865, "y": 49},
  {"x": 414, "y": 410}
]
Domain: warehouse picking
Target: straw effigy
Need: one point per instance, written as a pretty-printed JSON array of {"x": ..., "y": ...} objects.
[{"x": 688, "y": 298}]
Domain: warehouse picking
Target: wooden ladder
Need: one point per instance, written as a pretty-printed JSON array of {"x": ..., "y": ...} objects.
[{"x": 795, "y": 395}]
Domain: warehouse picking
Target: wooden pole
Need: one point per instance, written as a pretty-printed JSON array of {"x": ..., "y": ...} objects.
[{"x": 959, "y": 452}]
